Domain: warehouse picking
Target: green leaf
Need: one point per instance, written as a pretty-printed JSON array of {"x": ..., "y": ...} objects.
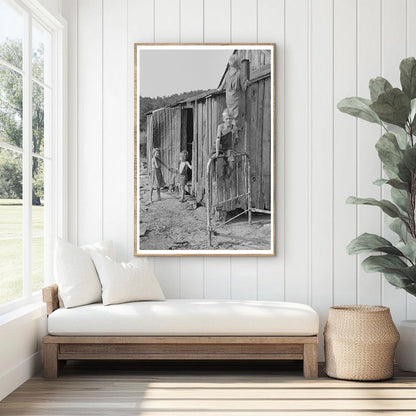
[
  {"x": 404, "y": 173},
  {"x": 395, "y": 183},
  {"x": 380, "y": 182},
  {"x": 359, "y": 107},
  {"x": 366, "y": 243},
  {"x": 408, "y": 77},
  {"x": 395, "y": 270},
  {"x": 389, "y": 151},
  {"x": 408, "y": 249},
  {"x": 400, "y": 198},
  {"x": 400, "y": 228},
  {"x": 388, "y": 207},
  {"x": 378, "y": 86},
  {"x": 409, "y": 158},
  {"x": 381, "y": 263},
  {"x": 401, "y": 137},
  {"x": 398, "y": 184},
  {"x": 397, "y": 280},
  {"x": 392, "y": 107}
]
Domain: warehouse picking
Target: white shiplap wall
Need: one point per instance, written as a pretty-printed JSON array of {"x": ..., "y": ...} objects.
[{"x": 326, "y": 50}]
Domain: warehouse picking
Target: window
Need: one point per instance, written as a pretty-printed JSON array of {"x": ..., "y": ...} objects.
[{"x": 30, "y": 148}]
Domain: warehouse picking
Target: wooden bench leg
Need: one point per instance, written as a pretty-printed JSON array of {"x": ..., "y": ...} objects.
[
  {"x": 50, "y": 360},
  {"x": 310, "y": 360}
]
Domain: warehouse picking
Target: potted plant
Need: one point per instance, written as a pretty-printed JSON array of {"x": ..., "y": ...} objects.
[{"x": 394, "y": 109}]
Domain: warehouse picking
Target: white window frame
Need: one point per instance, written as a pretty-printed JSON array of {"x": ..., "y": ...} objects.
[{"x": 58, "y": 211}]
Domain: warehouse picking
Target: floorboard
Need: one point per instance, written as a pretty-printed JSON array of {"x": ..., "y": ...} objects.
[{"x": 206, "y": 388}]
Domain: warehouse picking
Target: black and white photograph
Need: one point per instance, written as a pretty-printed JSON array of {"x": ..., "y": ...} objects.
[{"x": 205, "y": 150}]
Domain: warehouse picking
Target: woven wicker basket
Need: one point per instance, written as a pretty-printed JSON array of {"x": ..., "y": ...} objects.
[{"x": 360, "y": 342}]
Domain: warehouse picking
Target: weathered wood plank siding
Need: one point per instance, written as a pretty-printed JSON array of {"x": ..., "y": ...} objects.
[{"x": 166, "y": 130}]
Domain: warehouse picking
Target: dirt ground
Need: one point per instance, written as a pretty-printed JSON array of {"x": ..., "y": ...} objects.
[{"x": 173, "y": 225}]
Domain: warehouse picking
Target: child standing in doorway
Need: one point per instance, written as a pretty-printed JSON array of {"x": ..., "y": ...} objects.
[
  {"x": 156, "y": 177},
  {"x": 183, "y": 170}
]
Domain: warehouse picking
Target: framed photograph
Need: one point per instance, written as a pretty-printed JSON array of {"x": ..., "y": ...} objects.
[{"x": 204, "y": 150}]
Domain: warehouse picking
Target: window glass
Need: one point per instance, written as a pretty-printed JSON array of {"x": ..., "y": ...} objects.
[
  {"x": 11, "y": 34},
  {"x": 38, "y": 223},
  {"x": 11, "y": 107},
  {"x": 11, "y": 226},
  {"x": 38, "y": 118},
  {"x": 41, "y": 46}
]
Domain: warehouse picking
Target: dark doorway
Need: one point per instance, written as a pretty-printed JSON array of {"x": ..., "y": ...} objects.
[{"x": 187, "y": 133}]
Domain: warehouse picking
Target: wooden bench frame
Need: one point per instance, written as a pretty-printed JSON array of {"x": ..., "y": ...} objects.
[{"x": 58, "y": 349}]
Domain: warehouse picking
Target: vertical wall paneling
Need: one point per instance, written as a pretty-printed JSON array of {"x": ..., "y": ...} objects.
[
  {"x": 368, "y": 163},
  {"x": 140, "y": 15},
  {"x": 192, "y": 278},
  {"x": 90, "y": 129},
  {"x": 114, "y": 124},
  {"x": 244, "y": 29},
  {"x": 167, "y": 21},
  {"x": 70, "y": 11},
  {"x": 393, "y": 51},
  {"x": 192, "y": 21},
  {"x": 217, "y": 278},
  {"x": 326, "y": 50},
  {"x": 296, "y": 154},
  {"x": 321, "y": 160},
  {"x": 167, "y": 29},
  {"x": 345, "y": 151},
  {"x": 411, "y": 51},
  {"x": 217, "y": 29},
  {"x": 243, "y": 21},
  {"x": 192, "y": 31},
  {"x": 217, "y": 20},
  {"x": 271, "y": 28}
]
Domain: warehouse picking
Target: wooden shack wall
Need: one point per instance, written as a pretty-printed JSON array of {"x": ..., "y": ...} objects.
[
  {"x": 255, "y": 140},
  {"x": 164, "y": 131}
]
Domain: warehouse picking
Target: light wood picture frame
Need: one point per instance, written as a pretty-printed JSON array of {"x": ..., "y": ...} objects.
[{"x": 205, "y": 150}]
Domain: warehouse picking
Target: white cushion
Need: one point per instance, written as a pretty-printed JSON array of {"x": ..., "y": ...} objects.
[
  {"x": 103, "y": 247},
  {"x": 126, "y": 282},
  {"x": 187, "y": 317},
  {"x": 75, "y": 273}
]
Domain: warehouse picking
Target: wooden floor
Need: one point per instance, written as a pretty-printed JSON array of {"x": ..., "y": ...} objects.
[{"x": 222, "y": 389}]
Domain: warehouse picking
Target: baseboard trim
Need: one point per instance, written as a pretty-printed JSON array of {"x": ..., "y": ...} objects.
[{"x": 11, "y": 379}]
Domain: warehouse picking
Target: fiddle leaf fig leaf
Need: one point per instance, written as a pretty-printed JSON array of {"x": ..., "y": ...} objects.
[
  {"x": 378, "y": 86},
  {"x": 366, "y": 243},
  {"x": 408, "y": 249},
  {"x": 404, "y": 172},
  {"x": 381, "y": 263},
  {"x": 408, "y": 77},
  {"x": 389, "y": 151},
  {"x": 380, "y": 182},
  {"x": 359, "y": 107},
  {"x": 396, "y": 183},
  {"x": 392, "y": 107},
  {"x": 402, "y": 139},
  {"x": 410, "y": 158},
  {"x": 400, "y": 198},
  {"x": 400, "y": 228},
  {"x": 388, "y": 207},
  {"x": 397, "y": 280}
]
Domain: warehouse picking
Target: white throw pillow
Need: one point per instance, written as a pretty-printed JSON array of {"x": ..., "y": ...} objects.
[
  {"x": 104, "y": 247},
  {"x": 126, "y": 282},
  {"x": 75, "y": 273}
]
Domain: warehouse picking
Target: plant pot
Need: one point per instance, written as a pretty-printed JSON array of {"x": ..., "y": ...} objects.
[
  {"x": 360, "y": 341},
  {"x": 406, "y": 350}
]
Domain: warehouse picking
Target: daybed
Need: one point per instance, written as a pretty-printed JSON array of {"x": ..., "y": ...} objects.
[{"x": 181, "y": 329}]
